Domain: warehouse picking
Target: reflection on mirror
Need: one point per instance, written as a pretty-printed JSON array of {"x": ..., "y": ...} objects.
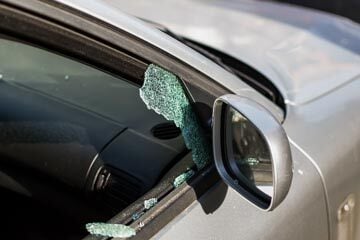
[{"x": 248, "y": 155}]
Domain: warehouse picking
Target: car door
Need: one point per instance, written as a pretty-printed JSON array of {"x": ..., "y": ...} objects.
[
  {"x": 205, "y": 208},
  {"x": 70, "y": 124},
  {"x": 71, "y": 106}
]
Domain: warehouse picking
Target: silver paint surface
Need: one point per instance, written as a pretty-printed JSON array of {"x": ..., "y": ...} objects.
[
  {"x": 302, "y": 214},
  {"x": 313, "y": 58},
  {"x": 328, "y": 130}
]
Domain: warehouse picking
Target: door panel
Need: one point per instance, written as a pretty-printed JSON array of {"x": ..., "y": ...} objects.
[{"x": 302, "y": 215}]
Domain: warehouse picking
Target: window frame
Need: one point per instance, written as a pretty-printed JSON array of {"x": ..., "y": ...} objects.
[{"x": 99, "y": 45}]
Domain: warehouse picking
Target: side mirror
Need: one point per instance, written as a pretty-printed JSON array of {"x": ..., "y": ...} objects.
[{"x": 251, "y": 151}]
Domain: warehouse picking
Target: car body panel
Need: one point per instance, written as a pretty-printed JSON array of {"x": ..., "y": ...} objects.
[
  {"x": 312, "y": 57},
  {"x": 315, "y": 117},
  {"x": 302, "y": 214},
  {"x": 305, "y": 53},
  {"x": 328, "y": 130}
]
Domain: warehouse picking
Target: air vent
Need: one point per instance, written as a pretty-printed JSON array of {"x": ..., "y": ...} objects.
[
  {"x": 121, "y": 190},
  {"x": 166, "y": 131}
]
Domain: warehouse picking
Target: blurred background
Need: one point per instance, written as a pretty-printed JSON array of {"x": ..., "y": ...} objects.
[{"x": 346, "y": 8}]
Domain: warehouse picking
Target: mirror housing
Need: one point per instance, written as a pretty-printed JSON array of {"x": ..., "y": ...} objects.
[{"x": 251, "y": 151}]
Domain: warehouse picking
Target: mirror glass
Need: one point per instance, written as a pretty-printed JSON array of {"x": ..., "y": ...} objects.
[{"x": 248, "y": 156}]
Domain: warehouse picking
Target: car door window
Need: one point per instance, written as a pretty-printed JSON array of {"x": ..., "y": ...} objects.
[
  {"x": 58, "y": 114},
  {"x": 71, "y": 82}
]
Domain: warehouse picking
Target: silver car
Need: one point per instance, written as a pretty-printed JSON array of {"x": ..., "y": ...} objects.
[{"x": 178, "y": 120}]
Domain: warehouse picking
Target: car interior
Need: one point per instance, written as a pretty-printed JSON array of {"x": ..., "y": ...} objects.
[{"x": 77, "y": 144}]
